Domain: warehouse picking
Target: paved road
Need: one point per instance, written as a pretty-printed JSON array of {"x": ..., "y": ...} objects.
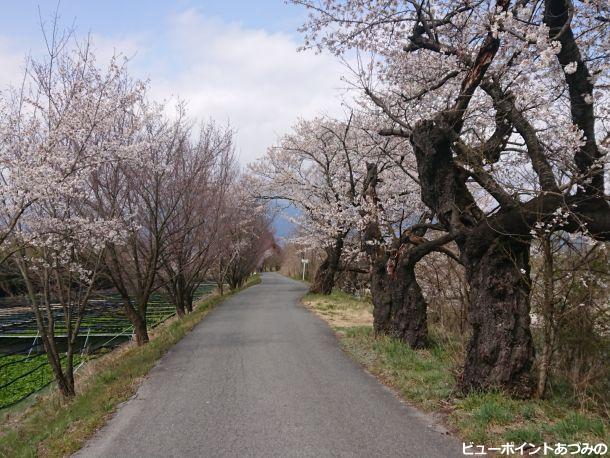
[{"x": 262, "y": 376}]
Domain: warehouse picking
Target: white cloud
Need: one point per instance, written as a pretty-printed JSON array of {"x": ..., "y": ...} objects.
[
  {"x": 254, "y": 78},
  {"x": 13, "y": 57}
]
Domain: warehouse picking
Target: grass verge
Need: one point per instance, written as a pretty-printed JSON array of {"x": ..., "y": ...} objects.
[
  {"x": 51, "y": 427},
  {"x": 426, "y": 378}
]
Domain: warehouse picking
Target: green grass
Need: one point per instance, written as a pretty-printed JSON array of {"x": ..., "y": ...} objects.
[
  {"x": 53, "y": 427},
  {"x": 491, "y": 417},
  {"x": 14, "y": 369},
  {"x": 422, "y": 376},
  {"x": 426, "y": 378},
  {"x": 20, "y": 376},
  {"x": 108, "y": 317}
]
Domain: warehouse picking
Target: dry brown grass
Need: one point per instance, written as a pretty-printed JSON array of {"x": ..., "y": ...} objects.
[{"x": 340, "y": 310}]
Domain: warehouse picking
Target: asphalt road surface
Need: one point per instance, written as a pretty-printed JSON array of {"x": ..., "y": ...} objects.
[{"x": 263, "y": 376}]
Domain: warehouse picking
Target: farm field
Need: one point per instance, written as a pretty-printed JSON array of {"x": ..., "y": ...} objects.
[{"x": 24, "y": 369}]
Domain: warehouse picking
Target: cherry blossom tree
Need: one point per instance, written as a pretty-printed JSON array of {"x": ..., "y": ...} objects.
[
  {"x": 505, "y": 105},
  {"x": 244, "y": 237},
  {"x": 358, "y": 194},
  {"x": 99, "y": 183},
  {"x": 56, "y": 132},
  {"x": 134, "y": 193},
  {"x": 316, "y": 169}
]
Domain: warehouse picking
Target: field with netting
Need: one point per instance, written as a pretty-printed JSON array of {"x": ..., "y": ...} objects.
[{"x": 23, "y": 365}]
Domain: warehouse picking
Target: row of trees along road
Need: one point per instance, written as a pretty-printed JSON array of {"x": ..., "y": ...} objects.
[
  {"x": 101, "y": 186},
  {"x": 479, "y": 133}
]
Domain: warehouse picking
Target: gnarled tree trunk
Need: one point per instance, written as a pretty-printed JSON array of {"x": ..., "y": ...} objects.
[
  {"x": 500, "y": 352},
  {"x": 399, "y": 307},
  {"x": 324, "y": 281},
  {"x": 410, "y": 322}
]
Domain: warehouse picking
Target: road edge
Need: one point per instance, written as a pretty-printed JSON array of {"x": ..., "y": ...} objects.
[
  {"x": 53, "y": 427},
  {"x": 437, "y": 421}
]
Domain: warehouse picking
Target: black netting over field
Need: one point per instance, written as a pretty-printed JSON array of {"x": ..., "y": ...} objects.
[{"x": 23, "y": 365}]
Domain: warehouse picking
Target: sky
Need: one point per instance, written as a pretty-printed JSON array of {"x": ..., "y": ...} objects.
[{"x": 234, "y": 61}]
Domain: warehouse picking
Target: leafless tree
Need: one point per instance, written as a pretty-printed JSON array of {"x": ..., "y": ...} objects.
[{"x": 201, "y": 176}]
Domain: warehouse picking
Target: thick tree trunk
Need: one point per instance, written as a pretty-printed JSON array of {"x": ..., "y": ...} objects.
[
  {"x": 410, "y": 322},
  {"x": 188, "y": 302},
  {"x": 381, "y": 296},
  {"x": 141, "y": 332},
  {"x": 500, "y": 353},
  {"x": 180, "y": 309},
  {"x": 324, "y": 281},
  {"x": 399, "y": 307}
]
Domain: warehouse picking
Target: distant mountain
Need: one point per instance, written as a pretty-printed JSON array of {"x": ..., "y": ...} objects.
[{"x": 282, "y": 212}]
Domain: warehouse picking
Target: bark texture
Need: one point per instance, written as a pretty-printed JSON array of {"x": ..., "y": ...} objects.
[
  {"x": 138, "y": 320},
  {"x": 325, "y": 277},
  {"x": 500, "y": 352},
  {"x": 399, "y": 307}
]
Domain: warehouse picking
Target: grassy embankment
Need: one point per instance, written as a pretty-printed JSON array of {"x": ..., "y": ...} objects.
[
  {"x": 426, "y": 378},
  {"x": 53, "y": 427}
]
